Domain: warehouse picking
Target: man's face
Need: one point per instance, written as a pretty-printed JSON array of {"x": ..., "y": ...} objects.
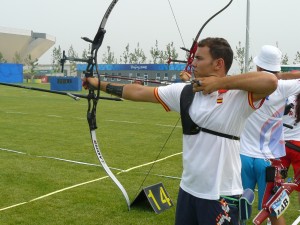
[{"x": 203, "y": 63}]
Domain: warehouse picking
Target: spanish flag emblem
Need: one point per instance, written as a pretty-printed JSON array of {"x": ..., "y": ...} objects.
[
  {"x": 220, "y": 100},
  {"x": 220, "y": 97}
]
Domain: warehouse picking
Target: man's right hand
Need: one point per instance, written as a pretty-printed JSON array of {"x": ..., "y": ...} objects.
[{"x": 185, "y": 76}]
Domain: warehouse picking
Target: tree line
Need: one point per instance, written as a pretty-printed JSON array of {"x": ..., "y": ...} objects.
[{"x": 131, "y": 56}]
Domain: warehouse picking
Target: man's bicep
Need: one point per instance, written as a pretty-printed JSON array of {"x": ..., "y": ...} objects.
[{"x": 257, "y": 97}]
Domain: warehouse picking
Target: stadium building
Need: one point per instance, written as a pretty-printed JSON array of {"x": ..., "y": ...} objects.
[{"x": 23, "y": 43}]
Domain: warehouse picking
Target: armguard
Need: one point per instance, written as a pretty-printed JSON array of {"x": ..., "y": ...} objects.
[{"x": 114, "y": 90}]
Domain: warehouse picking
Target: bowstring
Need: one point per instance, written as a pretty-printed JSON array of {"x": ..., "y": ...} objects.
[
  {"x": 174, "y": 127},
  {"x": 162, "y": 148},
  {"x": 176, "y": 23}
]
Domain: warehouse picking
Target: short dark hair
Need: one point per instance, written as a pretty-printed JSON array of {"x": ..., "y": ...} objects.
[{"x": 219, "y": 48}]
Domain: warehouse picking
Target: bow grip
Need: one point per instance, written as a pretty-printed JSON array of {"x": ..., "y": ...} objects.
[{"x": 97, "y": 42}]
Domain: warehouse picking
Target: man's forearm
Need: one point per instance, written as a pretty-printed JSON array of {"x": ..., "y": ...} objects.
[
  {"x": 255, "y": 82},
  {"x": 288, "y": 75},
  {"x": 133, "y": 92}
]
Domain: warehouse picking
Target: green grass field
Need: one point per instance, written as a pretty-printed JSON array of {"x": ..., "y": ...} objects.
[{"x": 50, "y": 174}]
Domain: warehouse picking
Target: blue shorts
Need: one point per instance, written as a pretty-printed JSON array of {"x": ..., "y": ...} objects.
[
  {"x": 191, "y": 210},
  {"x": 254, "y": 172}
]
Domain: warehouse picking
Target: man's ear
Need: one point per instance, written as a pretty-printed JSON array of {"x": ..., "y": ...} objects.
[{"x": 219, "y": 64}]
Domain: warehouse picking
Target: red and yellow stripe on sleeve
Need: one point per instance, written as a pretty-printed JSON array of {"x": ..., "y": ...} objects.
[
  {"x": 160, "y": 100},
  {"x": 251, "y": 102}
]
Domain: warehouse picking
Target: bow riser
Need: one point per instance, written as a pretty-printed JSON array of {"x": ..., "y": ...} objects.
[{"x": 188, "y": 67}]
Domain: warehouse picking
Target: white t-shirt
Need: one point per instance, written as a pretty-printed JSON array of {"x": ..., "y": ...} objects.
[
  {"x": 263, "y": 133},
  {"x": 211, "y": 164},
  {"x": 291, "y": 134}
]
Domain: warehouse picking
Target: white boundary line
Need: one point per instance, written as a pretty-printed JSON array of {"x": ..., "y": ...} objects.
[
  {"x": 14, "y": 151},
  {"x": 297, "y": 221},
  {"x": 81, "y": 118},
  {"x": 52, "y": 193},
  {"x": 80, "y": 184},
  {"x": 88, "y": 164}
]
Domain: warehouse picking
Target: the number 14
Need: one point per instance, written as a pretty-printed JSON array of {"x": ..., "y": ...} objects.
[{"x": 163, "y": 198}]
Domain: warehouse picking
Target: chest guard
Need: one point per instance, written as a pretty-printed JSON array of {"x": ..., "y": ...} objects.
[
  {"x": 186, "y": 99},
  {"x": 188, "y": 125}
]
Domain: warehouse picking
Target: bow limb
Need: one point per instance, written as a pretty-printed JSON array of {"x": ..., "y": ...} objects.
[
  {"x": 93, "y": 98},
  {"x": 106, "y": 168},
  {"x": 192, "y": 51}
]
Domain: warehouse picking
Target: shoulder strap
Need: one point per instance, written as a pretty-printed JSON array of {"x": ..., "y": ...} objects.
[
  {"x": 188, "y": 125},
  {"x": 186, "y": 99}
]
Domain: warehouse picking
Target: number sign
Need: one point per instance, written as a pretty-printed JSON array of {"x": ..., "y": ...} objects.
[{"x": 155, "y": 195}]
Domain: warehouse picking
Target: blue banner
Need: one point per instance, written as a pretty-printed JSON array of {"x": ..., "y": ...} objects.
[
  {"x": 178, "y": 67},
  {"x": 11, "y": 73}
]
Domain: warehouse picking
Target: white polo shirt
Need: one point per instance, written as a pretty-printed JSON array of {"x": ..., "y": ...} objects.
[
  {"x": 263, "y": 133},
  {"x": 211, "y": 164}
]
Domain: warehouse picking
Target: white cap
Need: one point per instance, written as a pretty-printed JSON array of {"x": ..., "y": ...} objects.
[{"x": 269, "y": 58}]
